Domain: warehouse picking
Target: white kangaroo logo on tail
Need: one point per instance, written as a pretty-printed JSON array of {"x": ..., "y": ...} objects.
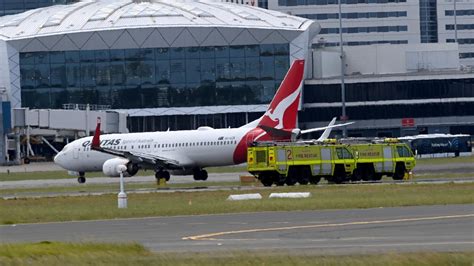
[{"x": 276, "y": 115}]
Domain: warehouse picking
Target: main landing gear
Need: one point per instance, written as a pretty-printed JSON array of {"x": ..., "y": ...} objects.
[
  {"x": 162, "y": 174},
  {"x": 200, "y": 174},
  {"x": 81, "y": 179}
]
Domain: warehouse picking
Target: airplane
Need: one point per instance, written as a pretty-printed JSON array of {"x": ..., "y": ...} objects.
[{"x": 188, "y": 152}]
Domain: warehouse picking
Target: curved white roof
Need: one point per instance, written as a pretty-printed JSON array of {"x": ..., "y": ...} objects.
[{"x": 98, "y": 15}]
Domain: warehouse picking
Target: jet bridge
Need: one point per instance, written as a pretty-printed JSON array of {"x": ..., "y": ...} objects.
[{"x": 56, "y": 127}]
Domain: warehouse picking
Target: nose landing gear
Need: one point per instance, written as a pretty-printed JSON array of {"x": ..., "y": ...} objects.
[{"x": 81, "y": 179}]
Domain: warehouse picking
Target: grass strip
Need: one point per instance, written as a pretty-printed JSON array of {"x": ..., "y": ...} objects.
[
  {"x": 113, "y": 187},
  {"x": 54, "y": 253},
  {"x": 444, "y": 160},
  {"x": 213, "y": 202}
]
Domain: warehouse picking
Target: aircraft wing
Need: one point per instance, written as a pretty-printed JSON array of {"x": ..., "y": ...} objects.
[
  {"x": 141, "y": 158},
  {"x": 133, "y": 156}
]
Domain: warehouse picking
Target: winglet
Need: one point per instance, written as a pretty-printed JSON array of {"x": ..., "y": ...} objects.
[
  {"x": 96, "y": 138},
  {"x": 327, "y": 131}
]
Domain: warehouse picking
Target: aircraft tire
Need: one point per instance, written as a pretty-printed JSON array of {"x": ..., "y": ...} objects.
[
  {"x": 81, "y": 179},
  {"x": 166, "y": 175},
  {"x": 162, "y": 174},
  {"x": 204, "y": 175}
]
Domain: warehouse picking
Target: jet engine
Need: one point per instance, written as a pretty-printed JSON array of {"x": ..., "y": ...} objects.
[{"x": 110, "y": 167}]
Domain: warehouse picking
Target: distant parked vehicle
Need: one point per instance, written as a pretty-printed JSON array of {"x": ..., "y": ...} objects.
[{"x": 438, "y": 143}]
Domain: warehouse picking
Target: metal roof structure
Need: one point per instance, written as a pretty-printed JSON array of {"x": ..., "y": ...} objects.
[
  {"x": 98, "y": 15},
  {"x": 136, "y": 24}
]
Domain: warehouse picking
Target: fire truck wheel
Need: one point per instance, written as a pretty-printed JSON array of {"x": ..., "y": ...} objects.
[
  {"x": 315, "y": 180},
  {"x": 266, "y": 180},
  {"x": 339, "y": 174},
  {"x": 290, "y": 181},
  {"x": 280, "y": 181},
  {"x": 356, "y": 175},
  {"x": 369, "y": 174},
  {"x": 303, "y": 181},
  {"x": 399, "y": 171},
  {"x": 377, "y": 177}
]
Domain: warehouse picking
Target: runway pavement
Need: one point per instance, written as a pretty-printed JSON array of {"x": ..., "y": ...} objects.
[
  {"x": 421, "y": 228},
  {"x": 72, "y": 181}
]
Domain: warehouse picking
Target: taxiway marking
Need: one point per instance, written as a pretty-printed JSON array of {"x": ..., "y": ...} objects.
[{"x": 212, "y": 236}]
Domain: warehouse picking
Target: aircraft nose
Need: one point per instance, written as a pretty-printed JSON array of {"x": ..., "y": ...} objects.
[{"x": 59, "y": 159}]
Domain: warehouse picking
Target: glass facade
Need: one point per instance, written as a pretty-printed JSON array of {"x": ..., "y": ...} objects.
[
  {"x": 400, "y": 28},
  {"x": 355, "y": 15},
  {"x": 183, "y": 122},
  {"x": 161, "y": 77},
  {"x": 465, "y": 12},
  {"x": 386, "y": 91},
  {"x": 428, "y": 21},
  {"x": 389, "y": 111},
  {"x": 263, "y": 4},
  {"x": 462, "y": 40},
  {"x": 9, "y": 7},
  {"x": 466, "y": 55},
  {"x": 334, "y": 2},
  {"x": 332, "y": 44},
  {"x": 460, "y": 26},
  {"x": 398, "y": 91}
]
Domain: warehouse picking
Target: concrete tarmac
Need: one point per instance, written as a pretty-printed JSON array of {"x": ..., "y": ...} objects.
[{"x": 406, "y": 229}]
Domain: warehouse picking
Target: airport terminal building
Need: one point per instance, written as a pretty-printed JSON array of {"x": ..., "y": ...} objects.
[
  {"x": 184, "y": 64},
  {"x": 152, "y": 58}
]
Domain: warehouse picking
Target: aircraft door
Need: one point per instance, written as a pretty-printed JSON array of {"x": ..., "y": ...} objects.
[{"x": 75, "y": 153}]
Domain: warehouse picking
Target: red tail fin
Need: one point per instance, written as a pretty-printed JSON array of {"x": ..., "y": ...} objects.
[
  {"x": 283, "y": 110},
  {"x": 96, "y": 139}
]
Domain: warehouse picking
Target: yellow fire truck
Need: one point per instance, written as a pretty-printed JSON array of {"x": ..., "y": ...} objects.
[
  {"x": 381, "y": 157},
  {"x": 305, "y": 162}
]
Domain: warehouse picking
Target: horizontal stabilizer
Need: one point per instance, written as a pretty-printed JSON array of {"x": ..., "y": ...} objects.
[
  {"x": 277, "y": 133},
  {"x": 306, "y": 131}
]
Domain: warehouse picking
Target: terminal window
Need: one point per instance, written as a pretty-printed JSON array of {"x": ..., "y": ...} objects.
[{"x": 160, "y": 77}]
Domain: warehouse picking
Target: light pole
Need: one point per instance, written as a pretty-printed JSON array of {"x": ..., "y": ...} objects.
[{"x": 343, "y": 68}]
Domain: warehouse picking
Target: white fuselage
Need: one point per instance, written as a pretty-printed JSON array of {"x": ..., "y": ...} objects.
[{"x": 191, "y": 148}]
